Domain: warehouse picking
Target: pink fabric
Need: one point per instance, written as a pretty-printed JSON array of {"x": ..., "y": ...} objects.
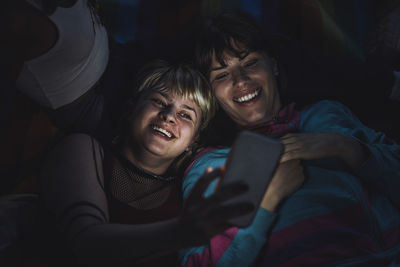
[
  {"x": 287, "y": 121},
  {"x": 300, "y": 244},
  {"x": 353, "y": 216},
  {"x": 217, "y": 246}
]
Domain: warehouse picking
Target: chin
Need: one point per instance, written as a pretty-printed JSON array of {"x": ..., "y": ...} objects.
[
  {"x": 255, "y": 120},
  {"x": 156, "y": 149}
]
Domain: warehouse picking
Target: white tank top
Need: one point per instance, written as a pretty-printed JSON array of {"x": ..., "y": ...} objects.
[{"x": 73, "y": 65}]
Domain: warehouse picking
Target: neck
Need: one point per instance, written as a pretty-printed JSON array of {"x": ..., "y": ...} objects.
[
  {"x": 146, "y": 160},
  {"x": 273, "y": 117}
]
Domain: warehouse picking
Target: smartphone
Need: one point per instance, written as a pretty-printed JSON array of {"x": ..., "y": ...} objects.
[{"x": 253, "y": 160}]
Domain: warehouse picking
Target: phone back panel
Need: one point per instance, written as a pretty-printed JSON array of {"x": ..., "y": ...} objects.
[{"x": 253, "y": 159}]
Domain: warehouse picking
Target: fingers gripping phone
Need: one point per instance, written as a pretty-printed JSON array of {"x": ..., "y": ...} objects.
[{"x": 253, "y": 160}]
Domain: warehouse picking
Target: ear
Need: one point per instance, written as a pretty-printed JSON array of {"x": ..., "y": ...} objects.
[{"x": 194, "y": 140}]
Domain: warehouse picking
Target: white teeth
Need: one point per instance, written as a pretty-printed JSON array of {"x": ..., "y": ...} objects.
[
  {"x": 162, "y": 131},
  {"x": 247, "y": 97}
]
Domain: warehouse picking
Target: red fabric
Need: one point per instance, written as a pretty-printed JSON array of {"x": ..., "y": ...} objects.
[{"x": 288, "y": 120}]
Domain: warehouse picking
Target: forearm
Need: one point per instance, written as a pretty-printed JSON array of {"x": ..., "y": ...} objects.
[
  {"x": 380, "y": 168},
  {"x": 376, "y": 163},
  {"x": 246, "y": 246},
  {"x": 271, "y": 201},
  {"x": 234, "y": 247},
  {"x": 109, "y": 244},
  {"x": 73, "y": 196}
]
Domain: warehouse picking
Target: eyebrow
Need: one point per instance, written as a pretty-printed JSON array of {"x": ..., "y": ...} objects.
[
  {"x": 183, "y": 105},
  {"x": 217, "y": 68},
  {"x": 242, "y": 56},
  {"x": 190, "y": 108},
  {"x": 164, "y": 95}
]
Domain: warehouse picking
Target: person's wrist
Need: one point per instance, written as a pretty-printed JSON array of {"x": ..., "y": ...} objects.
[{"x": 270, "y": 202}]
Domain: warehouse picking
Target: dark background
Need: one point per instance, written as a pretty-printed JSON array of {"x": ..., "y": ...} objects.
[{"x": 325, "y": 46}]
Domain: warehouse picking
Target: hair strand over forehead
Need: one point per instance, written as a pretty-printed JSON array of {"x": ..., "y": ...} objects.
[
  {"x": 234, "y": 31},
  {"x": 180, "y": 79}
]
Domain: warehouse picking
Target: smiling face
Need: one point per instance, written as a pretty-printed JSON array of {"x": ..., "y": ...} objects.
[
  {"x": 246, "y": 87},
  {"x": 163, "y": 126}
]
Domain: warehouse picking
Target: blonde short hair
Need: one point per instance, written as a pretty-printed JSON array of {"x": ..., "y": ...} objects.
[{"x": 181, "y": 79}]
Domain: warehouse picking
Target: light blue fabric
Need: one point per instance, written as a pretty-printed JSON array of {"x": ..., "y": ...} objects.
[
  {"x": 248, "y": 241},
  {"x": 329, "y": 190}
]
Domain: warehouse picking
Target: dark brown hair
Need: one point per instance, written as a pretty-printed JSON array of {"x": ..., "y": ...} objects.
[
  {"x": 239, "y": 33},
  {"x": 226, "y": 31}
]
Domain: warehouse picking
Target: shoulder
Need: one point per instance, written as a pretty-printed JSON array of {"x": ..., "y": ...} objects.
[
  {"x": 76, "y": 148},
  {"x": 79, "y": 140},
  {"x": 325, "y": 110},
  {"x": 210, "y": 157},
  {"x": 76, "y": 157},
  {"x": 327, "y": 116},
  {"x": 326, "y": 106}
]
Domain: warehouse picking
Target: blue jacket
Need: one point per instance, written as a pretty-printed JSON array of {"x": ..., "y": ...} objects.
[{"x": 336, "y": 218}]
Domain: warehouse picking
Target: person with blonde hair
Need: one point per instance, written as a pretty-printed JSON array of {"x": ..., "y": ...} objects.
[{"x": 121, "y": 206}]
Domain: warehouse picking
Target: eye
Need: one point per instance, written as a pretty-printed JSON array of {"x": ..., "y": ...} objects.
[
  {"x": 251, "y": 63},
  {"x": 158, "y": 102},
  {"x": 185, "y": 115},
  {"x": 221, "y": 76}
]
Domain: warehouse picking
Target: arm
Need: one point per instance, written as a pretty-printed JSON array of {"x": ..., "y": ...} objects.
[
  {"x": 73, "y": 193},
  {"x": 235, "y": 247},
  {"x": 308, "y": 146},
  {"x": 240, "y": 247},
  {"x": 381, "y": 166}
]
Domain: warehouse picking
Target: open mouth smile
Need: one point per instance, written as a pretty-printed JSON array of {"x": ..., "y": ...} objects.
[
  {"x": 248, "y": 97},
  {"x": 162, "y": 131}
]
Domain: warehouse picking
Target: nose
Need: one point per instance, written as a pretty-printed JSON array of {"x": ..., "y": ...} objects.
[
  {"x": 240, "y": 77},
  {"x": 168, "y": 114}
]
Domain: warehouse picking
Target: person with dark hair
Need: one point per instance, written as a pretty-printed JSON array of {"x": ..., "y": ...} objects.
[
  {"x": 340, "y": 207},
  {"x": 56, "y": 52},
  {"x": 120, "y": 206}
]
